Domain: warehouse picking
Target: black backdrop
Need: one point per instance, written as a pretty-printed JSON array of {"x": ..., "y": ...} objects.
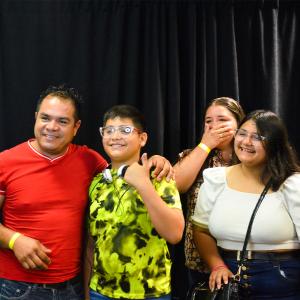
[{"x": 169, "y": 58}]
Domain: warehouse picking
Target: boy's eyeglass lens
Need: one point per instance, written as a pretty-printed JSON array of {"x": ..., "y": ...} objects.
[{"x": 124, "y": 130}]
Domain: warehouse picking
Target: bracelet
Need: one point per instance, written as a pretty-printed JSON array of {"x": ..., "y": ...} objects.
[
  {"x": 219, "y": 267},
  {"x": 13, "y": 239},
  {"x": 204, "y": 147}
]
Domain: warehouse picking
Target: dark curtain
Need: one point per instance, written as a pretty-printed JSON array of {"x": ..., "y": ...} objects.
[{"x": 169, "y": 58}]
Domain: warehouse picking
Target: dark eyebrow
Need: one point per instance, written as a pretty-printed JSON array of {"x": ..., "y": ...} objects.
[
  {"x": 223, "y": 116},
  {"x": 249, "y": 132},
  {"x": 58, "y": 118},
  {"x": 44, "y": 114}
]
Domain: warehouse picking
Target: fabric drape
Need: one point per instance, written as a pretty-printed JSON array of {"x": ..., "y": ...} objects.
[{"x": 169, "y": 58}]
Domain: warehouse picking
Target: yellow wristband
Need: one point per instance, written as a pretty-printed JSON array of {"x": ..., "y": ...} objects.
[
  {"x": 204, "y": 147},
  {"x": 13, "y": 239}
]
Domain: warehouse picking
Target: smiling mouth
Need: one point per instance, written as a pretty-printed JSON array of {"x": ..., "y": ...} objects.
[
  {"x": 116, "y": 146},
  {"x": 243, "y": 149},
  {"x": 50, "y": 136}
]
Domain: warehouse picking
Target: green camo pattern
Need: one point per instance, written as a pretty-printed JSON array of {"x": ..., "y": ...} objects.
[{"x": 130, "y": 259}]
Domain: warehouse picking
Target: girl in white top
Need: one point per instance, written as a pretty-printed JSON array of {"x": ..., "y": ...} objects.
[{"x": 226, "y": 201}]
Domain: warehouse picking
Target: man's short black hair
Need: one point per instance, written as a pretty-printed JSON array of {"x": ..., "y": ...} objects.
[{"x": 64, "y": 92}]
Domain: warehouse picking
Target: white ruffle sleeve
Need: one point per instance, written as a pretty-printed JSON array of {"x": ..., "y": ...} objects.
[
  {"x": 291, "y": 193},
  {"x": 214, "y": 180}
]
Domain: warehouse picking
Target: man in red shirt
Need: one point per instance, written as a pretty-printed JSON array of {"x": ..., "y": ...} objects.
[{"x": 43, "y": 196}]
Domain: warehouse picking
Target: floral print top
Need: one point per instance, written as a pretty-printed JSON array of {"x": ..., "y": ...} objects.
[{"x": 192, "y": 258}]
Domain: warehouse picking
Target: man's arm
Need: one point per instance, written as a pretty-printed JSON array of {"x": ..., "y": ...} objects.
[
  {"x": 5, "y": 233},
  {"x": 29, "y": 252}
]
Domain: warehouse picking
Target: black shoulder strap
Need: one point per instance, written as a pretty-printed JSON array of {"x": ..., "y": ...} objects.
[{"x": 262, "y": 196}]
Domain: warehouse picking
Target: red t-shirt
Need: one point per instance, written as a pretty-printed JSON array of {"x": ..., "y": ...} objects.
[{"x": 46, "y": 199}]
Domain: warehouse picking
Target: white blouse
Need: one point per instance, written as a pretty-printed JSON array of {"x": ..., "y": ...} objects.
[{"x": 226, "y": 213}]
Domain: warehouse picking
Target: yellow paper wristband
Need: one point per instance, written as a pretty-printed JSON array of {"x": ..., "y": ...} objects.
[
  {"x": 13, "y": 239},
  {"x": 204, "y": 147}
]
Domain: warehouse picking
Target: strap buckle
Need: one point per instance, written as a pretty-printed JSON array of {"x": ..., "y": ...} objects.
[{"x": 248, "y": 254}]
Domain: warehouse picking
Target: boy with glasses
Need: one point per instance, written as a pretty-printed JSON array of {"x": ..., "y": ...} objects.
[{"x": 132, "y": 216}]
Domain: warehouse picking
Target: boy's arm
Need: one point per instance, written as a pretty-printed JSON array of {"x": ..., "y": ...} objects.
[{"x": 168, "y": 222}]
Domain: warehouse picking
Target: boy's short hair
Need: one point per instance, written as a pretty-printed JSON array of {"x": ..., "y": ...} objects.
[{"x": 126, "y": 111}]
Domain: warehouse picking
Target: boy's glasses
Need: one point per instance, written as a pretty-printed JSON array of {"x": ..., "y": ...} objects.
[
  {"x": 254, "y": 137},
  {"x": 124, "y": 130}
]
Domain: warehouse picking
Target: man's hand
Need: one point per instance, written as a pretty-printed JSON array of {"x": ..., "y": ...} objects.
[
  {"x": 31, "y": 254},
  {"x": 163, "y": 168}
]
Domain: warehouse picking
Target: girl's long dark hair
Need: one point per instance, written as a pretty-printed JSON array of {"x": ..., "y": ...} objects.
[{"x": 281, "y": 158}]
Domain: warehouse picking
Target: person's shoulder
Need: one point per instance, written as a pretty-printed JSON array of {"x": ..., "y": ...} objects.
[
  {"x": 214, "y": 177},
  {"x": 90, "y": 156},
  {"x": 215, "y": 172},
  {"x": 294, "y": 176},
  {"x": 292, "y": 181},
  {"x": 96, "y": 180},
  {"x": 83, "y": 149},
  {"x": 290, "y": 190},
  {"x": 99, "y": 176},
  {"x": 11, "y": 151},
  {"x": 163, "y": 183},
  {"x": 164, "y": 186}
]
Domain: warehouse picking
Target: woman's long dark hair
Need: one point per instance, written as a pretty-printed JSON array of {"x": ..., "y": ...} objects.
[{"x": 281, "y": 158}]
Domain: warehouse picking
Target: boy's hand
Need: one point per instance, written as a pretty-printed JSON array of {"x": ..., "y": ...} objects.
[
  {"x": 162, "y": 166},
  {"x": 137, "y": 174}
]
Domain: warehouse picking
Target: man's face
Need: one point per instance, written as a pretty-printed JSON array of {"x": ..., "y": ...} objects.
[{"x": 55, "y": 126}]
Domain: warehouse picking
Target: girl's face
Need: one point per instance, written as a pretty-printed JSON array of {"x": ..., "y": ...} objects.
[
  {"x": 248, "y": 145},
  {"x": 218, "y": 116}
]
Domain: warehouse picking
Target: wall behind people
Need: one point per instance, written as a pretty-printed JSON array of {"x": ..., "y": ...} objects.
[{"x": 169, "y": 58}]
